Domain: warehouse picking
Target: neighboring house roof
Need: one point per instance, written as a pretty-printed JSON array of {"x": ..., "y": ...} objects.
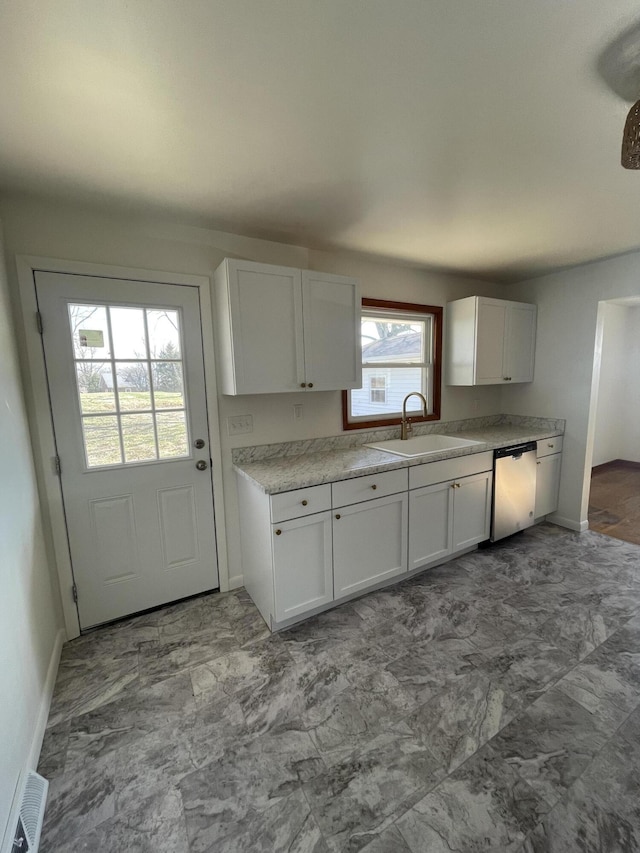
[
  {"x": 107, "y": 377},
  {"x": 408, "y": 345}
]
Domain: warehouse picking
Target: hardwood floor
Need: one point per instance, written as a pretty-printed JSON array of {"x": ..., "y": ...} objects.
[{"x": 614, "y": 501}]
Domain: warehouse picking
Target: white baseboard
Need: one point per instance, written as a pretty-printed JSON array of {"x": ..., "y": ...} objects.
[
  {"x": 45, "y": 701},
  {"x": 235, "y": 581},
  {"x": 570, "y": 523}
]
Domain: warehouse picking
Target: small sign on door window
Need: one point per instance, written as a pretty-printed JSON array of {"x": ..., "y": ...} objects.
[{"x": 91, "y": 338}]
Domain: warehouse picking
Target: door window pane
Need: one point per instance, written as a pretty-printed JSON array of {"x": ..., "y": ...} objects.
[
  {"x": 172, "y": 434},
  {"x": 89, "y": 331},
  {"x": 167, "y": 384},
  {"x": 138, "y": 438},
  {"x": 133, "y": 385},
  {"x": 95, "y": 386},
  {"x": 101, "y": 441},
  {"x": 141, "y": 383},
  {"x": 164, "y": 333},
  {"x": 127, "y": 329}
]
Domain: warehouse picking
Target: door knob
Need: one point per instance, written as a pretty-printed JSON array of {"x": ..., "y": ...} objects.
[
  {"x": 198, "y": 443},
  {"x": 201, "y": 465}
]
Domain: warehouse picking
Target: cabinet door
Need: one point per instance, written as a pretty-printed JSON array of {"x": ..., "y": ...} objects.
[
  {"x": 303, "y": 577},
  {"x": 266, "y": 318},
  {"x": 331, "y": 311},
  {"x": 430, "y": 518},
  {"x": 547, "y": 484},
  {"x": 369, "y": 543},
  {"x": 471, "y": 510},
  {"x": 520, "y": 342},
  {"x": 490, "y": 329}
]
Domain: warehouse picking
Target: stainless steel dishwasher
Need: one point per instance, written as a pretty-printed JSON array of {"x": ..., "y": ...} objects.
[{"x": 514, "y": 489}]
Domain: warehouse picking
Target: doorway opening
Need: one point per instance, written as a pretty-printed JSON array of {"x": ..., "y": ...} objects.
[{"x": 614, "y": 497}]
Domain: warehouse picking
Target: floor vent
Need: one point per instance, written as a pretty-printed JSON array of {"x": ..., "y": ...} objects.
[{"x": 34, "y": 798}]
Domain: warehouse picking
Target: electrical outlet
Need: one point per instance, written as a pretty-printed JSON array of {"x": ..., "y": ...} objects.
[
  {"x": 297, "y": 412},
  {"x": 239, "y": 424}
]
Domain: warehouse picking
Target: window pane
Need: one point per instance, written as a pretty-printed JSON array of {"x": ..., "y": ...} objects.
[
  {"x": 101, "y": 441},
  {"x": 133, "y": 385},
  {"x": 400, "y": 381},
  {"x": 172, "y": 434},
  {"x": 389, "y": 339},
  {"x": 164, "y": 333},
  {"x": 138, "y": 438},
  {"x": 127, "y": 329},
  {"x": 167, "y": 384},
  {"x": 89, "y": 332},
  {"x": 95, "y": 386}
]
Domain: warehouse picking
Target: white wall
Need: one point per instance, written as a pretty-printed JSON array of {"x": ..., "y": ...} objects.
[
  {"x": 30, "y": 614},
  {"x": 58, "y": 231},
  {"x": 568, "y": 304}
]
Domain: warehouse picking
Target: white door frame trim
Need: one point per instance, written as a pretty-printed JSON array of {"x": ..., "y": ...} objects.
[{"x": 37, "y": 402}]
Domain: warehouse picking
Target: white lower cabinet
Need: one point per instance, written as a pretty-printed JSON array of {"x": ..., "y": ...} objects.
[
  {"x": 369, "y": 543},
  {"x": 448, "y": 517},
  {"x": 305, "y": 548},
  {"x": 547, "y": 484},
  {"x": 471, "y": 510},
  {"x": 302, "y": 564}
]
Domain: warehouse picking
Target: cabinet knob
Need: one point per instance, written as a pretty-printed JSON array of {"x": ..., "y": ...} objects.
[
  {"x": 310, "y": 385},
  {"x": 304, "y": 503},
  {"x": 374, "y": 487},
  {"x": 303, "y": 384},
  {"x": 538, "y": 462},
  {"x": 338, "y": 515},
  {"x": 550, "y": 445},
  {"x": 278, "y": 532},
  {"x": 455, "y": 485}
]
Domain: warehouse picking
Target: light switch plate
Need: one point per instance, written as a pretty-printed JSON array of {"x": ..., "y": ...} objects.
[{"x": 239, "y": 424}]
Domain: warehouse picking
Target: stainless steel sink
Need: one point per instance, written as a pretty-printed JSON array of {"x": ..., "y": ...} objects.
[{"x": 422, "y": 445}]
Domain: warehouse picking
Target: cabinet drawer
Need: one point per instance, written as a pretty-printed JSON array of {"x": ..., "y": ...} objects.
[
  {"x": 547, "y": 446},
  {"x": 449, "y": 469},
  {"x": 369, "y": 487},
  {"x": 300, "y": 502}
]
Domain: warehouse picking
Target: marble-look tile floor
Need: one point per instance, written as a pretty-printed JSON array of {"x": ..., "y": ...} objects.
[{"x": 492, "y": 703}]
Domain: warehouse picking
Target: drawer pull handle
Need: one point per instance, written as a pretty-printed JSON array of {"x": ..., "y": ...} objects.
[
  {"x": 455, "y": 485},
  {"x": 304, "y": 503},
  {"x": 538, "y": 462},
  {"x": 278, "y": 532},
  {"x": 550, "y": 445},
  {"x": 338, "y": 515},
  {"x": 374, "y": 487}
]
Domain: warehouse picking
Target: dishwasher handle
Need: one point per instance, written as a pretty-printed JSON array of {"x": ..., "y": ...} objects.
[{"x": 516, "y": 450}]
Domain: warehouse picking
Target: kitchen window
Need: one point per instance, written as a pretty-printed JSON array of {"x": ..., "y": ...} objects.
[{"x": 401, "y": 353}]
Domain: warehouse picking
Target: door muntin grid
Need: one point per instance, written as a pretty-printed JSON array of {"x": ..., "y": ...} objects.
[{"x": 129, "y": 369}]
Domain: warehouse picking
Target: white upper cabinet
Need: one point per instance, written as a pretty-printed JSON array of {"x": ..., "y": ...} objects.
[
  {"x": 489, "y": 341},
  {"x": 283, "y": 329}
]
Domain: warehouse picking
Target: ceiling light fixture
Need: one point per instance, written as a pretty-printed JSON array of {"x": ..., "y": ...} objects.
[{"x": 631, "y": 139}]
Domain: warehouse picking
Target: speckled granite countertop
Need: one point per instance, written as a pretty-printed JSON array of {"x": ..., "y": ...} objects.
[{"x": 284, "y": 473}]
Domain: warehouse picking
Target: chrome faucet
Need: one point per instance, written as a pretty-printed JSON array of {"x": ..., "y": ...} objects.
[{"x": 406, "y": 426}]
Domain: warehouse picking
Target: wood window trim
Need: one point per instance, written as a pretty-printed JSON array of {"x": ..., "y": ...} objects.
[{"x": 436, "y": 311}]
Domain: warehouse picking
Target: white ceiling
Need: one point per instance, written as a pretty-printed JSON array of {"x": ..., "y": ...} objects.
[{"x": 473, "y": 135}]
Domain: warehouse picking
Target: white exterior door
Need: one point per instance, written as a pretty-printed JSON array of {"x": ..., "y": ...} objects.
[{"x": 126, "y": 381}]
